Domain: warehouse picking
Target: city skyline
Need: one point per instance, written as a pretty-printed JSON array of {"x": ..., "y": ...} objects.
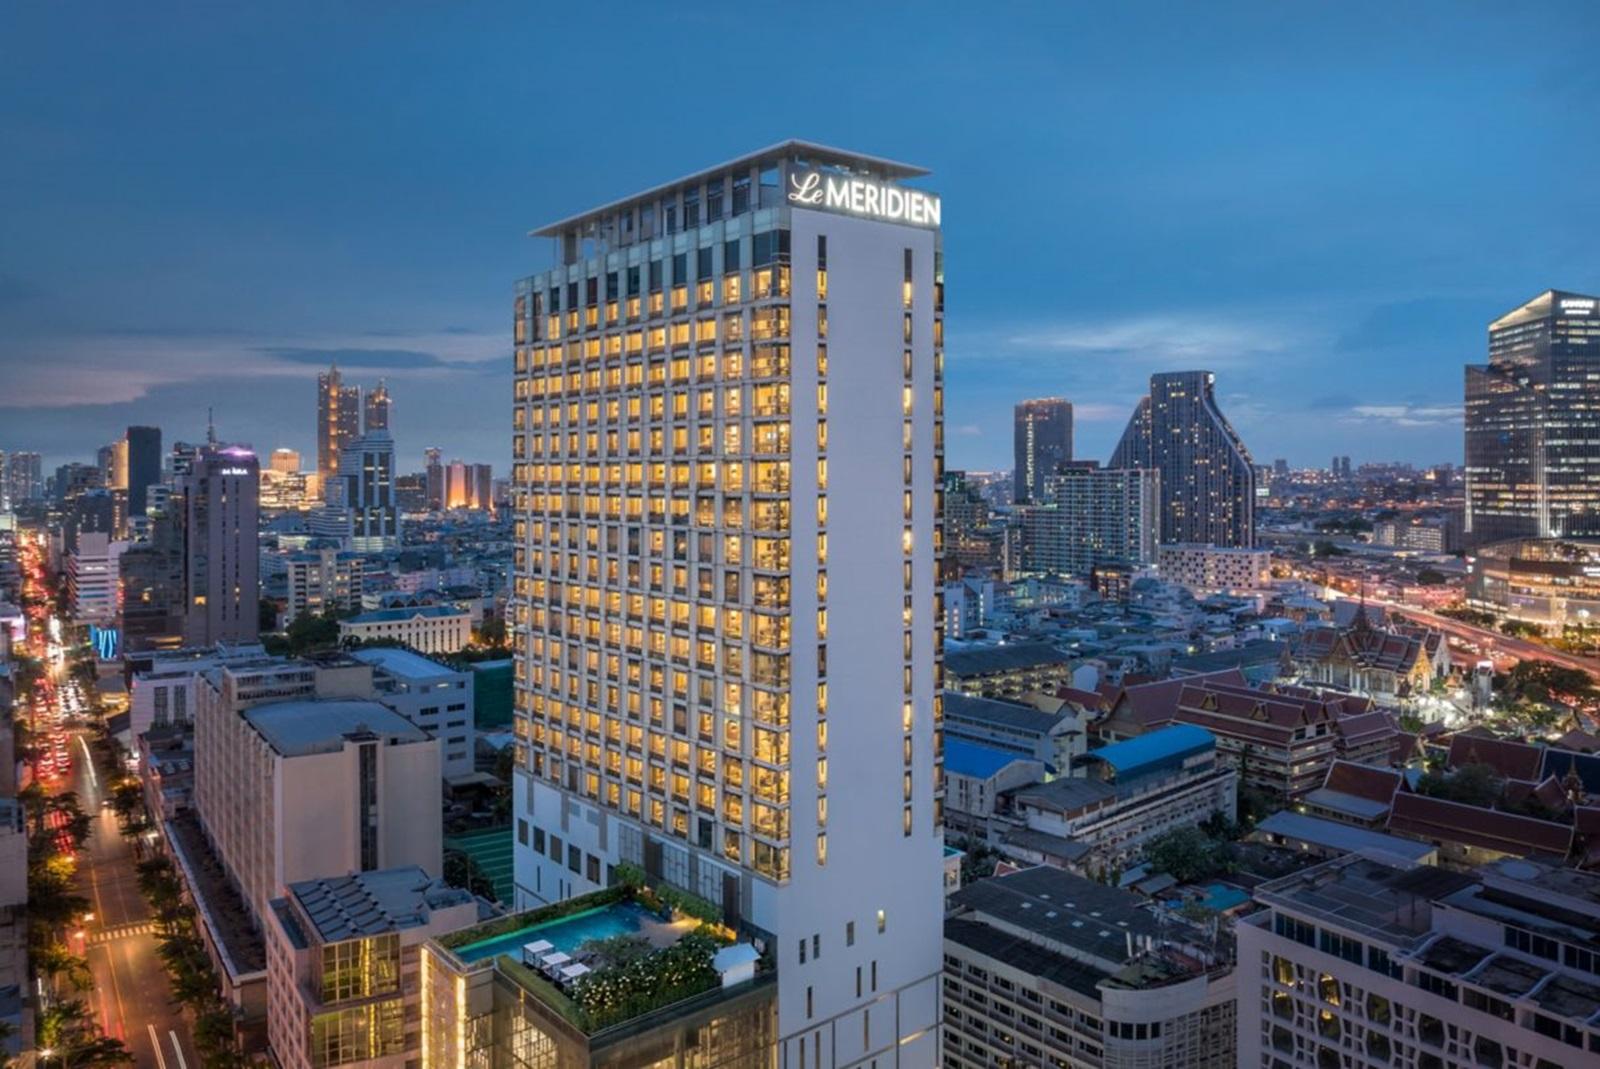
[{"x": 1271, "y": 215}]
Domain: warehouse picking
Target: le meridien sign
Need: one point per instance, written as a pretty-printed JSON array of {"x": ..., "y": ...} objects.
[{"x": 853, "y": 195}]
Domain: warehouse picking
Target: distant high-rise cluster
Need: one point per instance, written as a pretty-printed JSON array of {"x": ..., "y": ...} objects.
[
  {"x": 1208, "y": 481},
  {"x": 1532, "y": 423},
  {"x": 21, "y": 478}
]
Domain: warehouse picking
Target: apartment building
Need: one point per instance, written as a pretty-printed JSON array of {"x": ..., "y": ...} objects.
[
  {"x": 1207, "y": 569},
  {"x": 1358, "y": 963},
  {"x": 322, "y": 581}
]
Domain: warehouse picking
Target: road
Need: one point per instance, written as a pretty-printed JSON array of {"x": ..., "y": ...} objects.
[
  {"x": 130, "y": 985},
  {"x": 1519, "y": 648},
  {"x": 131, "y": 996}
]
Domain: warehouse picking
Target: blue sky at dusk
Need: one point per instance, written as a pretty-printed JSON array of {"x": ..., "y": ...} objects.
[{"x": 1325, "y": 204}]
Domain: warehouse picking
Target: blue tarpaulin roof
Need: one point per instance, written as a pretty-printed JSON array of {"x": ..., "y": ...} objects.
[
  {"x": 970, "y": 759},
  {"x": 1164, "y": 744}
]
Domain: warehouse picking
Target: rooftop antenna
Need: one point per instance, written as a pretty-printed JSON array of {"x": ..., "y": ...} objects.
[{"x": 211, "y": 428}]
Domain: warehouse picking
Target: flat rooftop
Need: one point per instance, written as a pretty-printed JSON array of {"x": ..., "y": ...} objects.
[
  {"x": 1346, "y": 838},
  {"x": 1386, "y": 902},
  {"x": 372, "y": 903},
  {"x": 1061, "y": 908},
  {"x": 311, "y": 726},
  {"x": 403, "y": 663}
]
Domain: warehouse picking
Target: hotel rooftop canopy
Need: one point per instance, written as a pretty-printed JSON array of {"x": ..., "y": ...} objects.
[{"x": 610, "y": 222}]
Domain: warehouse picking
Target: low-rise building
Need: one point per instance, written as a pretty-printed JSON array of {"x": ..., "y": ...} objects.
[
  {"x": 427, "y": 628},
  {"x": 1007, "y": 670},
  {"x": 1045, "y": 968},
  {"x": 1368, "y": 965},
  {"x": 1051, "y": 738},
  {"x": 343, "y": 973},
  {"x": 975, "y": 776},
  {"x": 1128, "y": 793},
  {"x": 1281, "y": 739}
]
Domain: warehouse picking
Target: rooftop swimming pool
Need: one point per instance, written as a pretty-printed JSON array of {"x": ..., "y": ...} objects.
[{"x": 566, "y": 934}]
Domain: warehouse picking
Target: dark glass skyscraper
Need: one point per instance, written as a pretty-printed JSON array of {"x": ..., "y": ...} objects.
[
  {"x": 1533, "y": 423},
  {"x": 144, "y": 465},
  {"x": 1208, "y": 481},
  {"x": 1041, "y": 432}
]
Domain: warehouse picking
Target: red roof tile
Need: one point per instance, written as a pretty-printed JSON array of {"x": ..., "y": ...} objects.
[
  {"x": 1513, "y": 760},
  {"x": 1438, "y": 820}
]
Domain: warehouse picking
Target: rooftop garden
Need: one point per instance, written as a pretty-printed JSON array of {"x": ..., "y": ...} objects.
[{"x": 630, "y": 973}]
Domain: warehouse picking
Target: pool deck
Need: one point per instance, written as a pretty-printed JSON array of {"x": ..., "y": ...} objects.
[{"x": 636, "y": 921}]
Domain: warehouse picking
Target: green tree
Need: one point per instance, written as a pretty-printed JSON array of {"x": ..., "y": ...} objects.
[
  {"x": 1476, "y": 785},
  {"x": 462, "y": 870},
  {"x": 1431, "y": 577},
  {"x": 1187, "y": 854},
  {"x": 54, "y": 961}
]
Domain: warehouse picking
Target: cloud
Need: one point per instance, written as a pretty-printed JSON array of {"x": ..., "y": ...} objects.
[
  {"x": 1405, "y": 415},
  {"x": 1165, "y": 341},
  {"x": 399, "y": 359},
  {"x": 969, "y": 430}
]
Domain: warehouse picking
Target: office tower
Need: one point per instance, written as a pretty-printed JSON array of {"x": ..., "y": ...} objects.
[
  {"x": 375, "y": 415},
  {"x": 435, "y": 474},
  {"x": 338, "y": 419},
  {"x": 284, "y": 460},
  {"x": 92, "y": 577},
  {"x": 739, "y": 599},
  {"x": 1368, "y": 965},
  {"x": 1208, "y": 491},
  {"x": 1532, "y": 427},
  {"x": 1089, "y": 516},
  {"x": 88, "y": 510},
  {"x": 1280, "y": 468},
  {"x": 218, "y": 513},
  {"x": 366, "y": 467},
  {"x": 1041, "y": 436},
  {"x": 143, "y": 448},
  {"x": 150, "y": 577},
  {"x": 23, "y": 478},
  {"x": 181, "y": 460}
]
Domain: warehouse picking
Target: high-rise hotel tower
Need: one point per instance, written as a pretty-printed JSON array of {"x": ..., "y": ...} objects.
[{"x": 728, "y": 439}]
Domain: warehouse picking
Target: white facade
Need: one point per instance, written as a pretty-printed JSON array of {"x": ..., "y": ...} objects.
[
  {"x": 435, "y": 698},
  {"x": 304, "y": 788},
  {"x": 164, "y": 693},
  {"x": 323, "y": 581},
  {"x": 803, "y": 700},
  {"x": 428, "y": 628},
  {"x": 92, "y": 578},
  {"x": 1207, "y": 569}
]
